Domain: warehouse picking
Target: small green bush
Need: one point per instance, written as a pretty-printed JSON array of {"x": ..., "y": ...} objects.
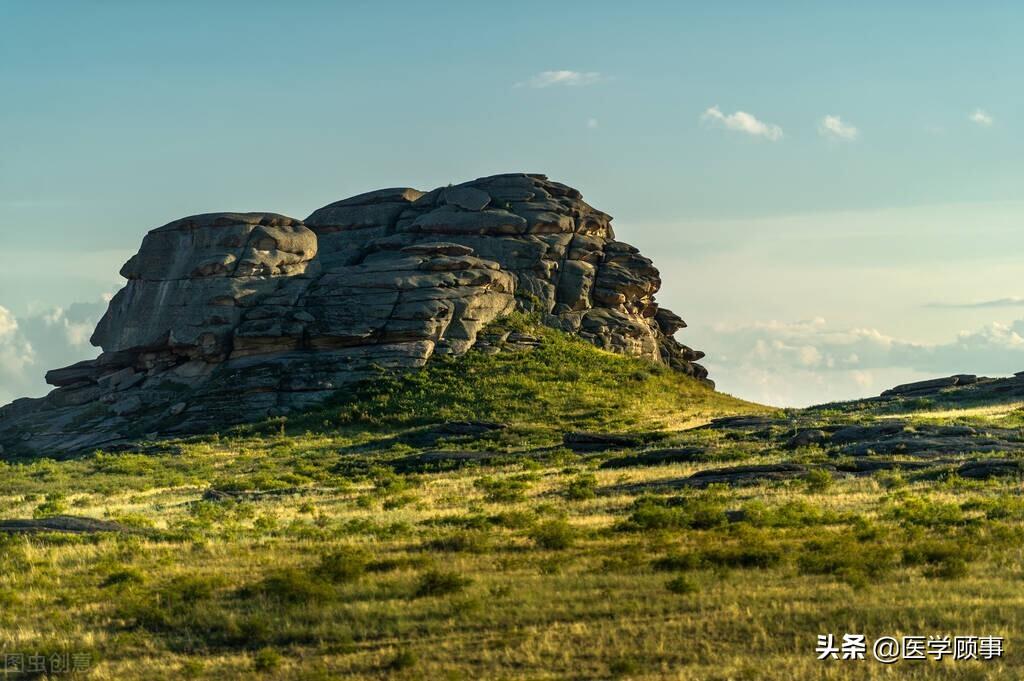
[
  {"x": 797, "y": 513},
  {"x": 682, "y": 584},
  {"x": 844, "y": 557},
  {"x": 55, "y": 504},
  {"x": 439, "y": 583},
  {"x": 915, "y": 510},
  {"x": 748, "y": 555},
  {"x": 701, "y": 512},
  {"x": 581, "y": 488},
  {"x": 675, "y": 562},
  {"x": 502, "y": 490},
  {"x": 553, "y": 535},
  {"x": 290, "y": 585},
  {"x": 402, "y": 660},
  {"x": 344, "y": 565},
  {"x": 469, "y": 541},
  {"x": 266, "y": 659},
  {"x": 818, "y": 480},
  {"x": 123, "y": 578}
]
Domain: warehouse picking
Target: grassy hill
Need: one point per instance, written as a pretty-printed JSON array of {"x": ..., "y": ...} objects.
[{"x": 329, "y": 546}]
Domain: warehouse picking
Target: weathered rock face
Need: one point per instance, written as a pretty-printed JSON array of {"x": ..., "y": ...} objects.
[{"x": 231, "y": 317}]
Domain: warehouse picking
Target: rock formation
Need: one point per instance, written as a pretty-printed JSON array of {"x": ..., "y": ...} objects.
[{"x": 231, "y": 317}]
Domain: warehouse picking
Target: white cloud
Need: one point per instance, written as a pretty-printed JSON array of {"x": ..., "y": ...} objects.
[
  {"x": 34, "y": 344},
  {"x": 805, "y": 362},
  {"x": 982, "y": 118},
  {"x": 16, "y": 356},
  {"x": 562, "y": 77},
  {"x": 1012, "y": 301},
  {"x": 741, "y": 121},
  {"x": 8, "y": 324},
  {"x": 833, "y": 127},
  {"x": 592, "y": 123}
]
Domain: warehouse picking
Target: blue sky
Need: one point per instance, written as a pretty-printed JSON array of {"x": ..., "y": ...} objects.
[{"x": 826, "y": 187}]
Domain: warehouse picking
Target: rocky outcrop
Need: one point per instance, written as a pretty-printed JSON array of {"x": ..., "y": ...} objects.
[{"x": 231, "y": 317}]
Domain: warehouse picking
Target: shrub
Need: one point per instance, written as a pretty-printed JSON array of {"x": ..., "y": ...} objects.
[
  {"x": 439, "y": 583},
  {"x": 654, "y": 516},
  {"x": 914, "y": 510},
  {"x": 890, "y": 479},
  {"x": 191, "y": 588},
  {"x": 344, "y": 565},
  {"x": 55, "y": 504},
  {"x": 502, "y": 490},
  {"x": 818, "y": 480},
  {"x": 553, "y": 535},
  {"x": 701, "y": 512},
  {"x": 404, "y": 659},
  {"x": 123, "y": 577},
  {"x": 843, "y": 557},
  {"x": 470, "y": 541},
  {"x": 182, "y": 602},
  {"x": 675, "y": 562},
  {"x": 624, "y": 666},
  {"x": 581, "y": 488},
  {"x": 266, "y": 659},
  {"x": 790, "y": 514},
  {"x": 289, "y": 585},
  {"x": 514, "y": 519},
  {"x": 747, "y": 555},
  {"x": 952, "y": 568},
  {"x": 682, "y": 584},
  {"x": 942, "y": 559}
]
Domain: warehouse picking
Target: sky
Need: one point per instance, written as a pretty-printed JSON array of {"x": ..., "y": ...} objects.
[{"x": 833, "y": 192}]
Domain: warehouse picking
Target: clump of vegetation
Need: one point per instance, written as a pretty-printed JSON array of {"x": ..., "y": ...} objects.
[
  {"x": 403, "y": 659},
  {"x": 850, "y": 560},
  {"x": 55, "y": 504},
  {"x": 941, "y": 558},
  {"x": 581, "y": 487},
  {"x": 701, "y": 511},
  {"x": 682, "y": 585},
  {"x": 266, "y": 660},
  {"x": 439, "y": 583},
  {"x": 916, "y": 510},
  {"x": 554, "y": 535},
  {"x": 123, "y": 577},
  {"x": 470, "y": 541},
  {"x": 343, "y": 566},
  {"x": 290, "y": 585},
  {"x": 818, "y": 480},
  {"x": 504, "y": 490}
]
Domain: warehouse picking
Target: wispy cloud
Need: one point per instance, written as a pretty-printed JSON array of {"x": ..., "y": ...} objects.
[
  {"x": 31, "y": 345},
  {"x": 833, "y": 127},
  {"x": 981, "y": 304},
  {"x": 563, "y": 77},
  {"x": 810, "y": 361},
  {"x": 741, "y": 121},
  {"x": 982, "y": 118}
]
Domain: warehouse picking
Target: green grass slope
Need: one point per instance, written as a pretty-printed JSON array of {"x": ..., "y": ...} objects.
[
  {"x": 296, "y": 550},
  {"x": 565, "y": 384}
]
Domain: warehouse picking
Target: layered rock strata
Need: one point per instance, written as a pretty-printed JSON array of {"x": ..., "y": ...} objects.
[{"x": 231, "y": 317}]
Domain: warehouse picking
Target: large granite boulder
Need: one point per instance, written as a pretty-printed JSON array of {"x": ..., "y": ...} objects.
[{"x": 231, "y": 317}]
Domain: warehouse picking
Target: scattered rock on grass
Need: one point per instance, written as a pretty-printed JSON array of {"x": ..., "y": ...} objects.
[
  {"x": 657, "y": 457},
  {"x": 441, "y": 461},
  {"x": 62, "y": 523}
]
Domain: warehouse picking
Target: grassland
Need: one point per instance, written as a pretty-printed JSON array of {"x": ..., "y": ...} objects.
[{"x": 313, "y": 559}]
